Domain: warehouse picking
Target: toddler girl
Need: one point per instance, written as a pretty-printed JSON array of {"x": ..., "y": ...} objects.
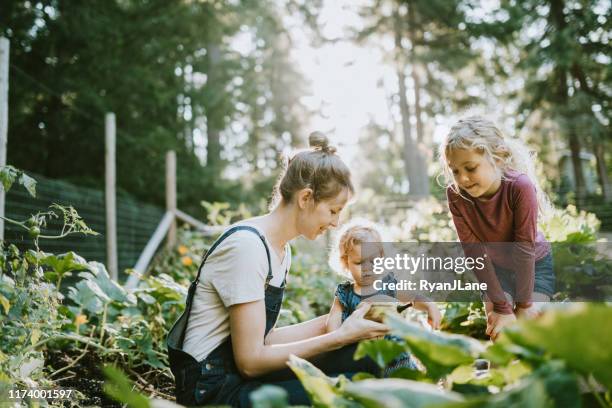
[
  {"x": 357, "y": 265},
  {"x": 494, "y": 197}
]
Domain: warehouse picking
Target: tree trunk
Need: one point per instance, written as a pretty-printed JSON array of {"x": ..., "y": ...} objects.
[
  {"x": 415, "y": 74},
  {"x": 417, "y": 105},
  {"x": 421, "y": 145},
  {"x": 580, "y": 185},
  {"x": 413, "y": 161},
  {"x": 602, "y": 171},
  {"x": 557, "y": 18},
  {"x": 214, "y": 120}
]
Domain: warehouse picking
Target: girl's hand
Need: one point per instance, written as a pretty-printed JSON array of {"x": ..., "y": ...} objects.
[
  {"x": 433, "y": 313},
  {"x": 435, "y": 318},
  {"x": 356, "y": 328},
  {"x": 530, "y": 312},
  {"x": 496, "y": 322}
]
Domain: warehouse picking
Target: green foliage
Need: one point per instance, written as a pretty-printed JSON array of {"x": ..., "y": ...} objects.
[
  {"x": 438, "y": 351},
  {"x": 399, "y": 393},
  {"x": 542, "y": 362},
  {"x": 269, "y": 396},
  {"x": 8, "y": 176},
  {"x": 382, "y": 351},
  {"x": 577, "y": 335},
  {"x": 120, "y": 388},
  {"x": 174, "y": 77},
  {"x": 323, "y": 391},
  {"x": 570, "y": 225},
  {"x": 465, "y": 318},
  {"x": 554, "y": 363}
]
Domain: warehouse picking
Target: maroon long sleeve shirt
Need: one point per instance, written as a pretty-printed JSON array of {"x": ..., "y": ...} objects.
[{"x": 506, "y": 226}]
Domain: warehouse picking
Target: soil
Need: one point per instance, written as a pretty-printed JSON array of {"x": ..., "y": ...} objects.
[{"x": 86, "y": 377}]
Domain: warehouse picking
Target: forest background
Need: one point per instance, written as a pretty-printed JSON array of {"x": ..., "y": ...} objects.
[{"x": 231, "y": 85}]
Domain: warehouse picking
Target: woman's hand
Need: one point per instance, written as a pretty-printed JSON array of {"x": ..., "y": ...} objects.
[
  {"x": 433, "y": 313},
  {"x": 356, "y": 328},
  {"x": 496, "y": 322}
]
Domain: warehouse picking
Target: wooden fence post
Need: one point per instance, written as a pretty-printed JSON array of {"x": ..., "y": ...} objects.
[
  {"x": 171, "y": 196},
  {"x": 4, "y": 84},
  {"x": 110, "y": 197}
]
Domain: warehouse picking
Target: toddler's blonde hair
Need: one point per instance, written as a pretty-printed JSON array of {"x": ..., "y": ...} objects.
[
  {"x": 476, "y": 132},
  {"x": 354, "y": 232}
]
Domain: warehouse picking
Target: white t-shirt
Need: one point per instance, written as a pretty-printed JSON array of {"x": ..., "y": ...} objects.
[{"x": 235, "y": 272}]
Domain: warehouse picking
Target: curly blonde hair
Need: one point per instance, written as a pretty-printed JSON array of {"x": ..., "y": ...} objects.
[
  {"x": 476, "y": 132},
  {"x": 351, "y": 234}
]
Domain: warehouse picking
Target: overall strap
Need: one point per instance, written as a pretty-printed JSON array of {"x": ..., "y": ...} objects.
[{"x": 227, "y": 234}]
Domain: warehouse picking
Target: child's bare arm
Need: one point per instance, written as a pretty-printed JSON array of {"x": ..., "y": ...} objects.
[{"x": 334, "y": 318}]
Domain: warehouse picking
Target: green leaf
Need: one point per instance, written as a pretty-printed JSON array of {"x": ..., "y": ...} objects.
[
  {"x": 5, "y": 304},
  {"x": 320, "y": 387},
  {"x": 29, "y": 183},
  {"x": 119, "y": 387},
  {"x": 439, "y": 352},
  {"x": 409, "y": 374},
  {"x": 93, "y": 286},
  {"x": 8, "y": 175},
  {"x": 362, "y": 376},
  {"x": 382, "y": 351},
  {"x": 529, "y": 394},
  {"x": 392, "y": 392},
  {"x": 97, "y": 273},
  {"x": 579, "y": 335},
  {"x": 145, "y": 297},
  {"x": 64, "y": 263},
  {"x": 561, "y": 384},
  {"x": 35, "y": 336},
  {"x": 83, "y": 296},
  {"x": 269, "y": 396},
  {"x": 497, "y": 353}
]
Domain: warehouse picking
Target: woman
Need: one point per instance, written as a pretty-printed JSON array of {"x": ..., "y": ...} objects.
[{"x": 225, "y": 345}]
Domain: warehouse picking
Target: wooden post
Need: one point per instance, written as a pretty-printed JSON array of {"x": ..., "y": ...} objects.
[
  {"x": 111, "y": 204},
  {"x": 171, "y": 196},
  {"x": 4, "y": 74}
]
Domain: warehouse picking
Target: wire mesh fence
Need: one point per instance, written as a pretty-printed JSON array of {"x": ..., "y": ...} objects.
[{"x": 135, "y": 221}]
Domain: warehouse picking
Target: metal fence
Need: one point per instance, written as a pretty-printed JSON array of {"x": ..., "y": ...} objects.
[{"x": 136, "y": 221}]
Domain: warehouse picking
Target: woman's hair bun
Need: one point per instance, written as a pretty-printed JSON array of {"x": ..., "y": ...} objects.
[{"x": 318, "y": 140}]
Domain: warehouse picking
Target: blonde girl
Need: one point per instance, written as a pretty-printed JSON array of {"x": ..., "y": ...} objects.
[
  {"x": 495, "y": 200},
  {"x": 352, "y": 262}
]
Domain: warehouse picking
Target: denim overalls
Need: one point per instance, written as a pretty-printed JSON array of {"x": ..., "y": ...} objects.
[{"x": 215, "y": 380}]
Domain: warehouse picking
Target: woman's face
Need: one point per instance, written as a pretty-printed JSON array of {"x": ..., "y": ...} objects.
[
  {"x": 474, "y": 173},
  {"x": 315, "y": 218}
]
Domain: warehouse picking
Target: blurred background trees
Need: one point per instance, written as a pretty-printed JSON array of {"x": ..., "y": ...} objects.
[
  {"x": 210, "y": 79},
  {"x": 219, "y": 82}
]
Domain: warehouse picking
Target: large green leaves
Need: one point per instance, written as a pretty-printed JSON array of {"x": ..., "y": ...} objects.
[
  {"x": 580, "y": 335},
  {"x": 529, "y": 394},
  {"x": 439, "y": 352},
  {"x": 323, "y": 390},
  {"x": 397, "y": 393},
  {"x": 62, "y": 265},
  {"x": 382, "y": 351}
]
